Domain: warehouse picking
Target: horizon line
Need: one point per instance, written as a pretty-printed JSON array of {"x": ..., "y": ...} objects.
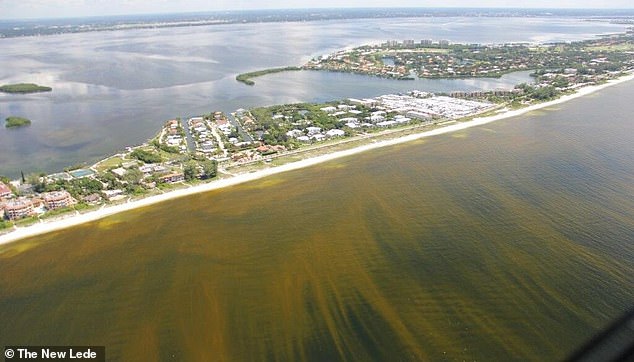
[{"x": 313, "y": 8}]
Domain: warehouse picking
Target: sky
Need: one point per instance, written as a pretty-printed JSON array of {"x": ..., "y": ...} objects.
[{"x": 19, "y": 9}]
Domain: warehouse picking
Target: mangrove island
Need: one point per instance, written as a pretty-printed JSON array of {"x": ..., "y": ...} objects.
[
  {"x": 246, "y": 77},
  {"x": 23, "y": 88},
  {"x": 17, "y": 122}
]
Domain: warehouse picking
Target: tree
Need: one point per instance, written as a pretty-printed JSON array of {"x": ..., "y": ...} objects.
[
  {"x": 210, "y": 168},
  {"x": 110, "y": 179},
  {"x": 190, "y": 170},
  {"x": 145, "y": 156},
  {"x": 133, "y": 176},
  {"x": 37, "y": 181}
]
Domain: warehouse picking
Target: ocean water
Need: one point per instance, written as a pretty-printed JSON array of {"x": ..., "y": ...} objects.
[
  {"x": 115, "y": 89},
  {"x": 510, "y": 241}
]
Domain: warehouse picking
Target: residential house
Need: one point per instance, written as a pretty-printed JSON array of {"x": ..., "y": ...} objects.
[
  {"x": 313, "y": 130},
  {"x": 17, "y": 209},
  {"x": 92, "y": 198},
  {"x": 335, "y": 133},
  {"x": 57, "y": 199},
  {"x": 172, "y": 177},
  {"x": 112, "y": 195},
  {"x": 5, "y": 191}
]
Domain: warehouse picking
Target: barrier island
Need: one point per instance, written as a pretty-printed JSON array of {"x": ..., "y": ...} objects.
[{"x": 214, "y": 150}]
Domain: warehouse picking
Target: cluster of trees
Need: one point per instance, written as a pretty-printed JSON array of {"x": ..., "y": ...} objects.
[
  {"x": 76, "y": 187},
  {"x": 146, "y": 156},
  {"x": 163, "y": 147},
  {"x": 543, "y": 93},
  {"x": 205, "y": 169}
]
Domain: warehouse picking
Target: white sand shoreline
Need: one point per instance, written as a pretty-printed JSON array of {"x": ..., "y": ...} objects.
[{"x": 54, "y": 225}]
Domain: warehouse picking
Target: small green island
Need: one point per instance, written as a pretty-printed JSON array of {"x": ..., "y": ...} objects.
[
  {"x": 12, "y": 122},
  {"x": 23, "y": 88},
  {"x": 246, "y": 77}
]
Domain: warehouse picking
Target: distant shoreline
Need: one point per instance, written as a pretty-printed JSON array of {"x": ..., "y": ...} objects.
[
  {"x": 25, "y": 27},
  {"x": 54, "y": 225}
]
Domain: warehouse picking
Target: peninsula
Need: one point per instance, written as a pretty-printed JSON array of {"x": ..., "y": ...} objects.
[
  {"x": 411, "y": 59},
  {"x": 246, "y": 77},
  {"x": 24, "y": 88},
  {"x": 94, "y": 208},
  {"x": 215, "y": 150}
]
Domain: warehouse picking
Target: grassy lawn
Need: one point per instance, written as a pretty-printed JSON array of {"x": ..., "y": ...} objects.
[
  {"x": 26, "y": 222},
  {"x": 109, "y": 163},
  {"x": 625, "y": 47}
]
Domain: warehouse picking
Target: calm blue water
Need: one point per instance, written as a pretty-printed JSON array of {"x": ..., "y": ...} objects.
[{"x": 115, "y": 89}]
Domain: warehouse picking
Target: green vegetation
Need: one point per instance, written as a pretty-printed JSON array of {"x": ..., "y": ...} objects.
[
  {"x": 26, "y": 221},
  {"x": 17, "y": 122},
  {"x": 190, "y": 169},
  {"x": 246, "y": 77},
  {"x": 165, "y": 148},
  {"x": 5, "y": 224},
  {"x": 592, "y": 57},
  {"x": 112, "y": 162},
  {"x": 544, "y": 93},
  {"x": 146, "y": 156},
  {"x": 210, "y": 168},
  {"x": 57, "y": 212},
  {"x": 24, "y": 88}
]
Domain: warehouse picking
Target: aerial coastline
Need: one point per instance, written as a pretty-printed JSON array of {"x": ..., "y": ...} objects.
[
  {"x": 226, "y": 181},
  {"x": 69, "y": 221},
  {"x": 217, "y": 149}
]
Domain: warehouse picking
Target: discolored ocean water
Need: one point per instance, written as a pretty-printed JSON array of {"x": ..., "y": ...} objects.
[{"x": 511, "y": 241}]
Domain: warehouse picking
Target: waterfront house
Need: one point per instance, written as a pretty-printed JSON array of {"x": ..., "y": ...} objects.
[
  {"x": 5, "y": 191},
  {"x": 57, "y": 199},
  {"x": 17, "y": 209},
  {"x": 335, "y": 133},
  {"x": 92, "y": 199},
  {"x": 112, "y": 195},
  {"x": 172, "y": 177}
]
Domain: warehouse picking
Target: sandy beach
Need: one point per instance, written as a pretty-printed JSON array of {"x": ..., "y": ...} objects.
[{"x": 70, "y": 221}]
